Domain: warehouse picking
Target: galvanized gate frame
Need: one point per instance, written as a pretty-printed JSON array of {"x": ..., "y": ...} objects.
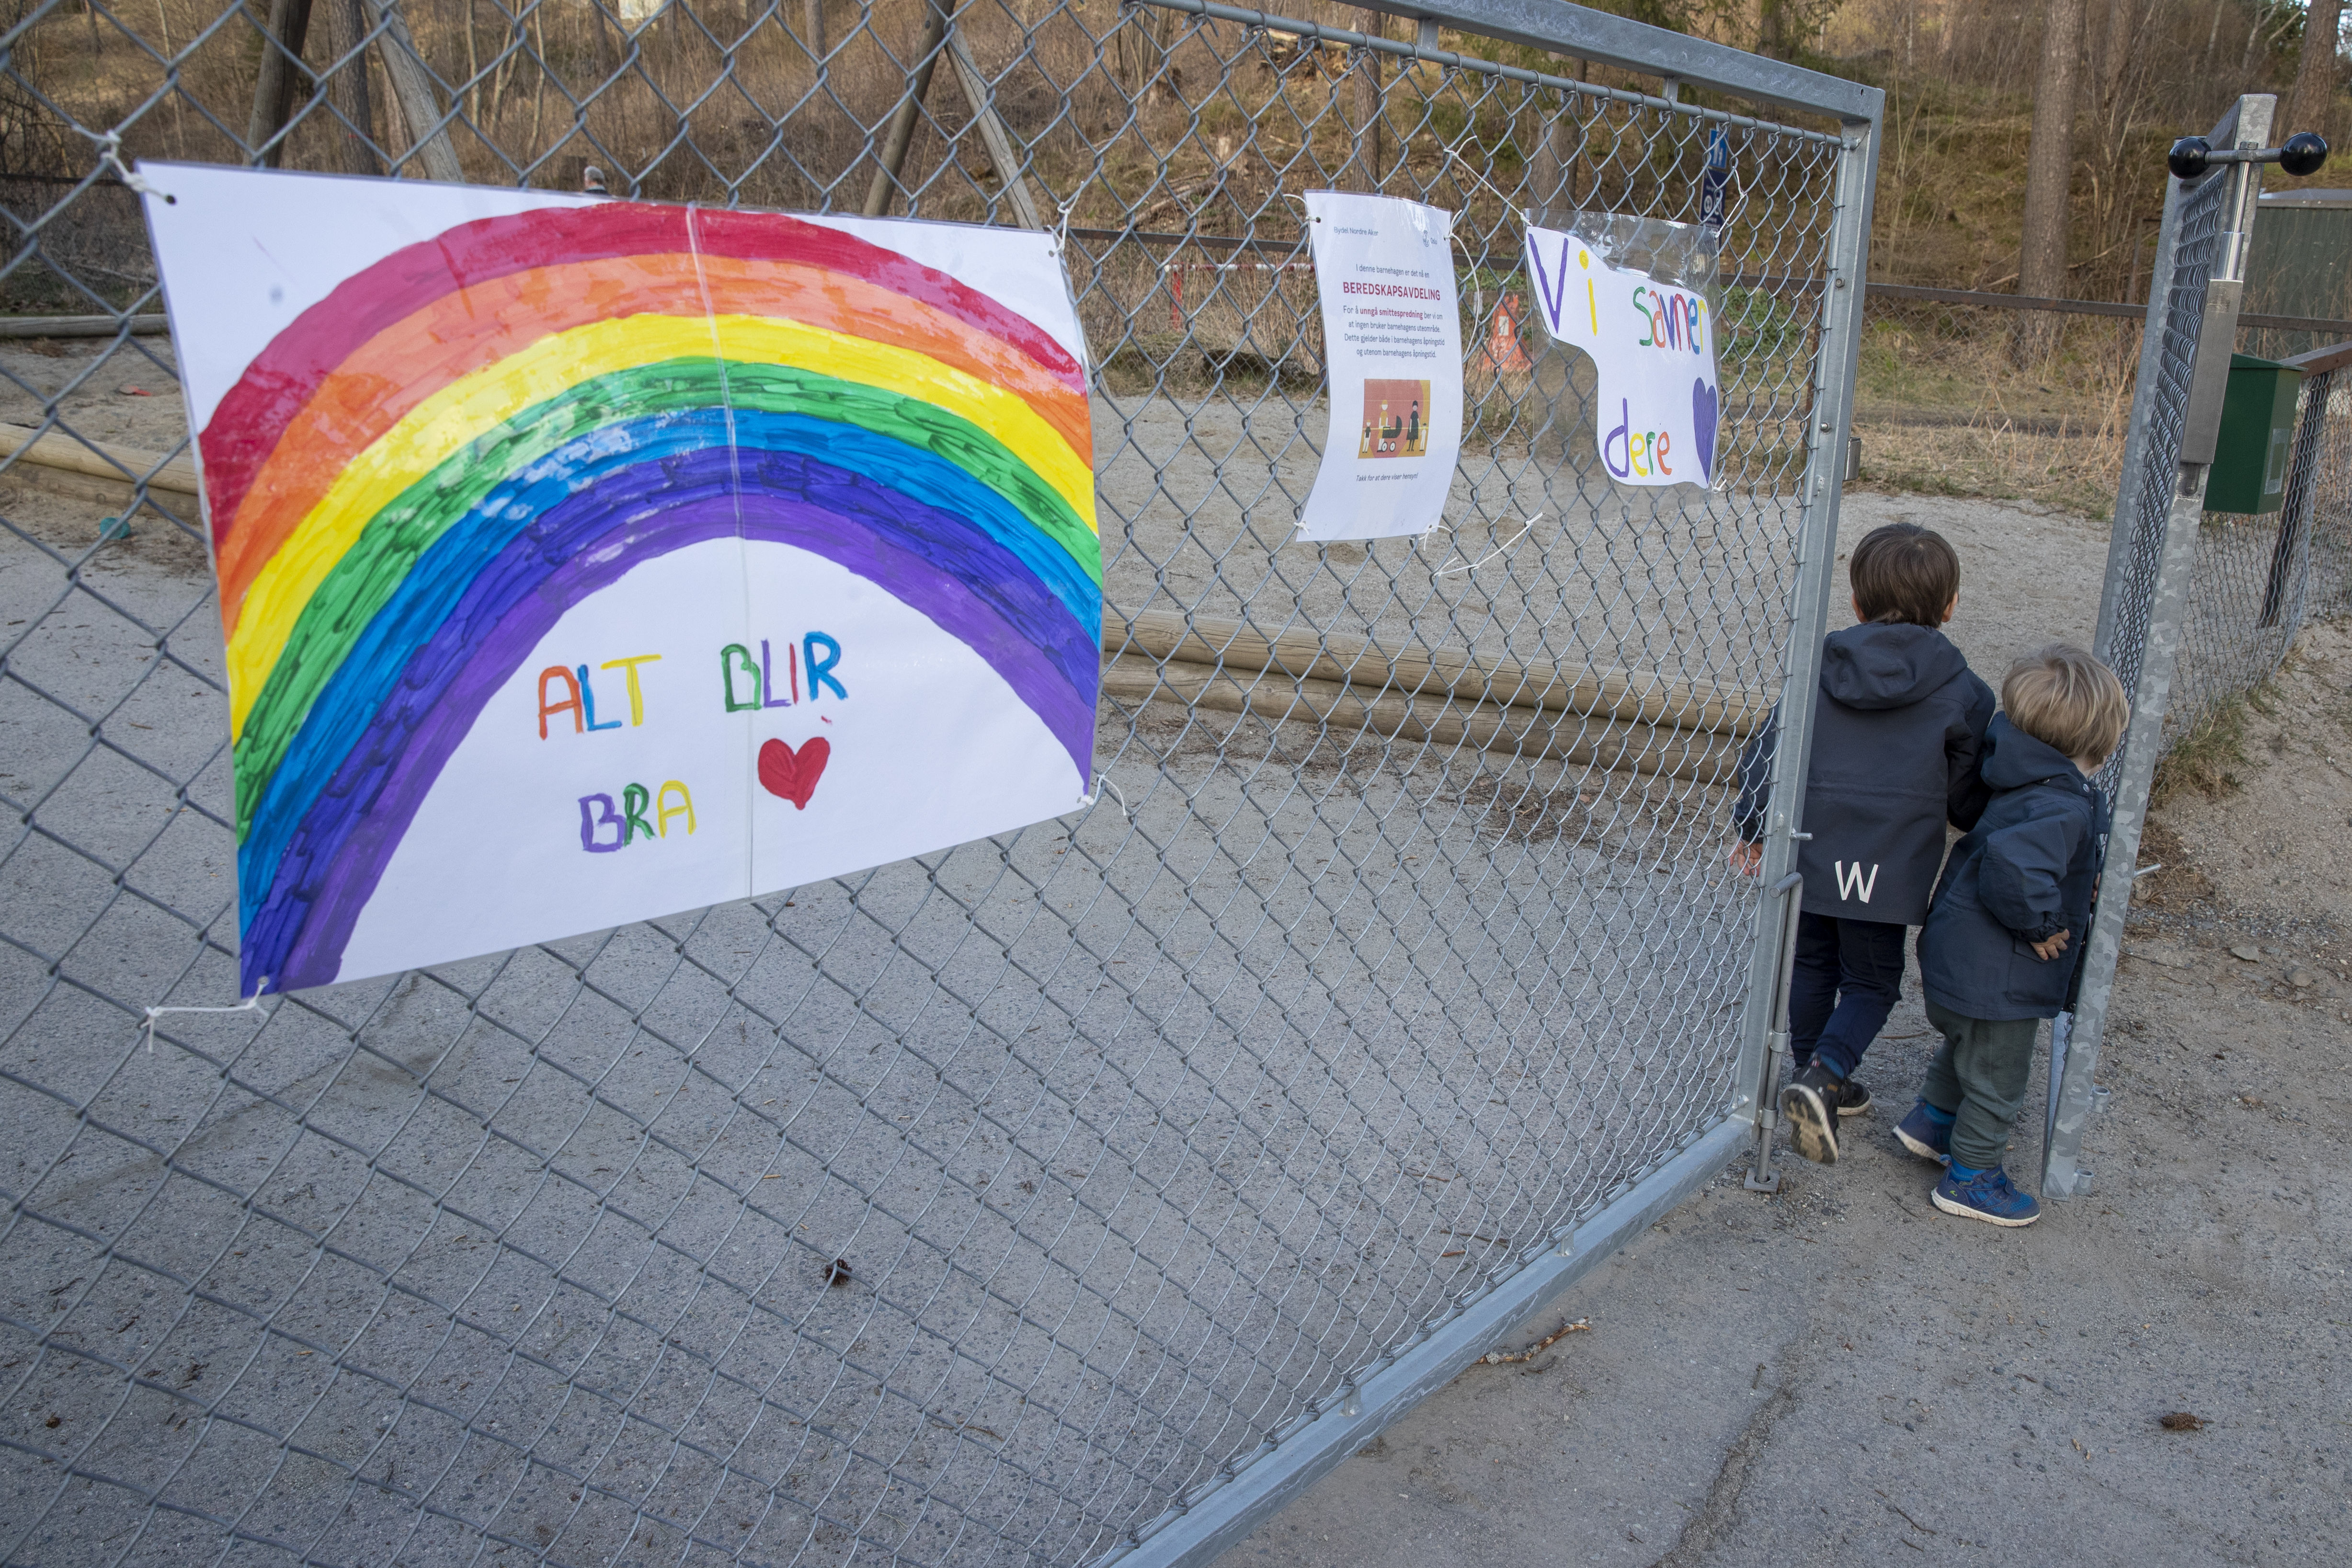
[
  {"x": 2169, "y": 443},
  {"x": 1273, "y": 1457},
  {"x": 1197, "y": 1532}
]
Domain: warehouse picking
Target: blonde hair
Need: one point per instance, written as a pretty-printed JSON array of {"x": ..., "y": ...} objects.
[{"x": 2066, "y": 699}]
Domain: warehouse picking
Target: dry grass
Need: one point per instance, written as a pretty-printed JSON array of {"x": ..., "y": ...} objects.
[
  {"x": 2205, "y": 757},
  {"x": 1943, "y": 407}
]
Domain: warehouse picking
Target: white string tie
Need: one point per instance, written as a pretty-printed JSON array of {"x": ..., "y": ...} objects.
[
  {"x": 110, "y": 156},
  {"x": 1497, "y": 553},
  {"x": 250, "y": 1004}
]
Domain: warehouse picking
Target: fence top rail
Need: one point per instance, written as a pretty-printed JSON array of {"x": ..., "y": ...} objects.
[
  {"x": 1626, "y": 45},
  {"x": 2332, "y": 356},
  {"x": 1623, "y": 53}
]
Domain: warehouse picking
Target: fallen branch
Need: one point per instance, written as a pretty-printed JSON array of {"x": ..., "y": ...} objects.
[{"x": 1503, "y": 1358}]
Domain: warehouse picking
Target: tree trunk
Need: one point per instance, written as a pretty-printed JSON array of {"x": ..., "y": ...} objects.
[
  {"x": 2115, "y": 54},
  {"x": 413, "y": 95},
  {"x": 354, "y": 133},
  {"x": 1368, "y": 116},
  {"x": 277, "y": 83},
  {"x": 2308, "y": 106},
  {"x": 901, "y": 132},
  {"x": 2048, "y": 161}
]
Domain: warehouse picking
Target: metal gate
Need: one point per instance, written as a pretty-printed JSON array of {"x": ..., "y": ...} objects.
[
  {"x": 1075, "y": 1194},
  {"x": 2199, "y": 608}
]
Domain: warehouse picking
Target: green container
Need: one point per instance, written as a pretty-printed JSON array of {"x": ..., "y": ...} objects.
[{"x": 2257, "y": 440}]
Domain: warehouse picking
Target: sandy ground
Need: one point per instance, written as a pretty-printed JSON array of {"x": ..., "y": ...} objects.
[
  {"x": 127, "y": 395},
  {"x": 1897, "y": 1382},
  {"x": 1894, "y": 1376}
]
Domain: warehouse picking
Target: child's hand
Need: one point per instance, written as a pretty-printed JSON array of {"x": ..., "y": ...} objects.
[
  {"x": 1747, "y": 857},
  {"x": 2051, "y": 948}
]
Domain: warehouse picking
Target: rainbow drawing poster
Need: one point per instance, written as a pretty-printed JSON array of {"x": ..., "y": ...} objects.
[{"x": 582, "y": 561}]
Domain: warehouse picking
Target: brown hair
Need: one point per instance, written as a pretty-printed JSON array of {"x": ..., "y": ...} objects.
[
  {"x": 1903, "y": 572},
  {"x": 2065, "y": 699}
]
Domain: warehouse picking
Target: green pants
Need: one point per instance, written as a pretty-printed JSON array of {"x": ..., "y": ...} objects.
[{"x": 1979, "y": 1078}]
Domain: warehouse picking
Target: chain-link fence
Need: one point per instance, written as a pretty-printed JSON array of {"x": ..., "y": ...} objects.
[
  {"x": 2152, "y": 485},
  {"x": 2259, "y": 577},
  {"x": 2199, "y": 609},
  {"x": 2318, "y": 522},
  {"x": 1088, "y": 1186}
]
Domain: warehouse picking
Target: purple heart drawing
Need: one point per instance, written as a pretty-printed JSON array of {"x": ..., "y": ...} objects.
[{"x": 1703, "y": 412}]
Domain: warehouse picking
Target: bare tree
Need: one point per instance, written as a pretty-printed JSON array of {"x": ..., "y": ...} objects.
[
  {"x": 2315, "y": 78},
  {"x": 2048, "y": 161},
  {"x": 2124, "y": 18}
]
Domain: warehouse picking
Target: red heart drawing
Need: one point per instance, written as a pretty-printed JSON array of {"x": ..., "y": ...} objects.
[{"x": 792, "y": 777}]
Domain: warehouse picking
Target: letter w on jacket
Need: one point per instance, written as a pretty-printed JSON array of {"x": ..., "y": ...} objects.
[
  {"x": 1898, "y": 722},
  {"x": 1852, "y": 884}
]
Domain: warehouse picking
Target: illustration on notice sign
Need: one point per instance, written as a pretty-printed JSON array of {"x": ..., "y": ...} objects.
[
  {"x": 1396, "y": 420},
  {"x": 583, "y": 562},
  {"x": 1652, "y": 342}
]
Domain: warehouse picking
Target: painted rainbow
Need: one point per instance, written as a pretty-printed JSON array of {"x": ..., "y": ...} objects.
[{"x": 409, "y": 484}]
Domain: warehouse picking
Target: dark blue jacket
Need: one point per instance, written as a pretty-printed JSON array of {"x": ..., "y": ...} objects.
[
  {"x": 2028, "y": 870},
  {"x": 1896, "y": 726}
]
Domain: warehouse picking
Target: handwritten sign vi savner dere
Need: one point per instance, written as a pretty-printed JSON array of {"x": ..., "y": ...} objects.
[
  {"x": 1653, "y": 345},
  {"x": 583, "y": 562}
]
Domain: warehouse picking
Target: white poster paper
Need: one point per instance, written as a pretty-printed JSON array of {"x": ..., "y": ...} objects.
[
  {"x": 1392, "y": 347},
  {"x": 583, "y": 562},
  {"x": 1652, "y": 343}
]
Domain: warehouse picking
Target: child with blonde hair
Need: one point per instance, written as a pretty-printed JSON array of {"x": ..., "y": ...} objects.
[{"x": 2005, "y": 933}]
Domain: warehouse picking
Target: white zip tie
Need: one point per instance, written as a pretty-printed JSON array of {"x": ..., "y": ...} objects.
[
  {"x": 1500, "y": 550},
  {"x": 110, "y": 156},
  {"x": 1062, "y": 230},
  {"x": 250, "y": 1004}
]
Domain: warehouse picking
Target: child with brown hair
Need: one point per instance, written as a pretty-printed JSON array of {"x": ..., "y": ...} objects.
[
  {"x": 1897, "y": 719},
  {"x": 2015, "y": 898}
]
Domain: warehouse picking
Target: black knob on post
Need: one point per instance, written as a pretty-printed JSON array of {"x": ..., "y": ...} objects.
[
  {"x": 2188, "y": 158},
  {"x": 2303, "y": 153}
]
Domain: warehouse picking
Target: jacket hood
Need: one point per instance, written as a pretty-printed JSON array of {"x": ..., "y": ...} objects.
[
  {"x": 2012, "y": 757},
  {"x": 1876, "y": 665}
]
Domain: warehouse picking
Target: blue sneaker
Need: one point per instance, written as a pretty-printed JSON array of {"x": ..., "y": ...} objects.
[
  {"x": 1986, "y": 1196},
  {"x": 1920, "y": 1132}
]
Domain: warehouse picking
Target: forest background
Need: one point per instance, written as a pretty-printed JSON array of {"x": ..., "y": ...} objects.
[{"x": 2023, "y": 149}]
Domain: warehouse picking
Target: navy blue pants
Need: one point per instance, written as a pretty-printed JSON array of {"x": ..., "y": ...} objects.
[{"x": 1847, "y": 979}]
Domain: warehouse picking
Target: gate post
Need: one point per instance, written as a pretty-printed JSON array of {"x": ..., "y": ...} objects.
[
  {"x": 1830, "y": 420},
  {"x": 2175, "y": 414}
]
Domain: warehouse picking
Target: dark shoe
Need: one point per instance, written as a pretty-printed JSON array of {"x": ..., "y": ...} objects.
[
  {"x": 1808, "y": 1104},
  {"x": 1925, "y": 1136},
  {"x": 1986, "y": 1196},
  {"x": 1853, "y": 1098}
]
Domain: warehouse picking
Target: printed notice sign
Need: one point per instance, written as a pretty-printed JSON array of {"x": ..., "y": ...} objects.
[
  {"x": 1392, "y": 337},
  {"x": 1653, "y": 345}
]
